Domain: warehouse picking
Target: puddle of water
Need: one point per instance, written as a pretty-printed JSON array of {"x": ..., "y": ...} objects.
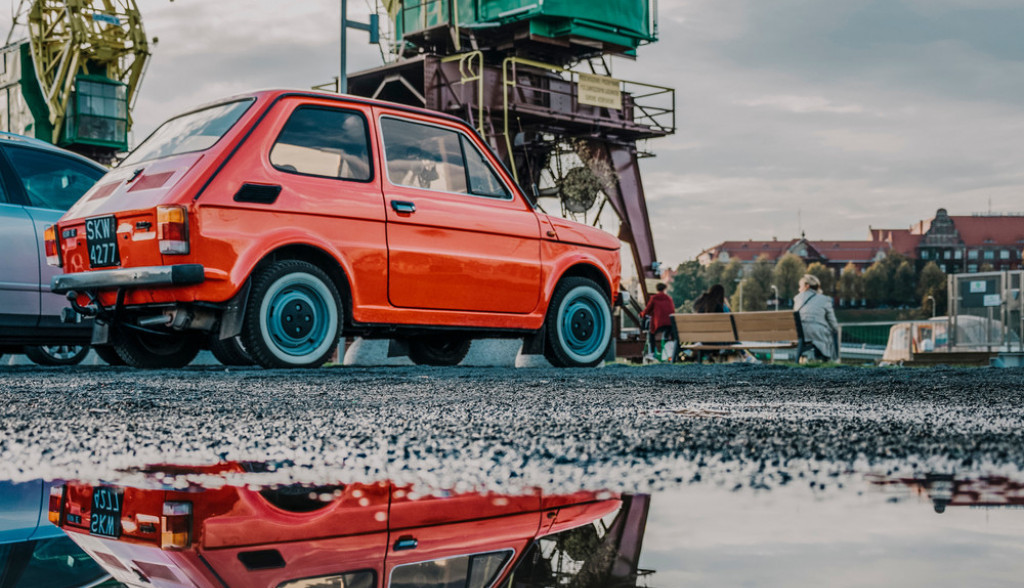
[
  {"x": 864, "y": 534},
  {"x": 166, "y": 530}
]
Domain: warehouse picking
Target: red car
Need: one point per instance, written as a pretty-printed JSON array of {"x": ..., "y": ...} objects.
[
  {"x": 272, "y": 223},
  {"x": 359, "y": 535}
]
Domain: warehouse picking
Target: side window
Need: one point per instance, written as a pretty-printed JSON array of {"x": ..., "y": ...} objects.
[
  {"x": 471, "y": 571},
  {"x": 324, "y": 142},
  {"x": 363, "y": 579},
  {"x": 423, "y": 156},
  {"x": 482, "y": 179},
  {"x": 52, "y": 180}
]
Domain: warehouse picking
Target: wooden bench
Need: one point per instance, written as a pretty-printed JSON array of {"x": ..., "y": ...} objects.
[{"x": 738, "y": 330}]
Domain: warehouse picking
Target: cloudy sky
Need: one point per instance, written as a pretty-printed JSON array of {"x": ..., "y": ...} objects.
[{"x": 814, "y": 114}]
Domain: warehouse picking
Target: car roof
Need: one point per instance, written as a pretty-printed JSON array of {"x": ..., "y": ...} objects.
[
  {"x": 273, "y": 94},
  {"x": 44, "y": 146}
]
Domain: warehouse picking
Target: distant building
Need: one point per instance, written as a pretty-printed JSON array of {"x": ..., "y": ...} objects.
[{"x": 958, "y": 244}]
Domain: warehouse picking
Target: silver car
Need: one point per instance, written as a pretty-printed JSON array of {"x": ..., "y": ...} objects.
[{"x": 38, "y": 182}]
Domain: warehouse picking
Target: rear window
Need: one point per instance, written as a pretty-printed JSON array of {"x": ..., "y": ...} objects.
[{"x": 195, "y": 131}]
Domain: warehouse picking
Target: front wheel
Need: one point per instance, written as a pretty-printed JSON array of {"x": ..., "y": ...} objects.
[
  {"x": 56, "y": 354},
  {"x": 578, "y": 324},
  {"x": 108, "y": 354},
  {"x": 173, "y": 349},
  {"x": 229, "y": 351},
  {"x": 293, "y": 317},
  {"x": 441, "y": 349}
]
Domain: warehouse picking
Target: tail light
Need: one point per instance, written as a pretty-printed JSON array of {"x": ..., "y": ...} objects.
[
  {"x": 56, "y": 500},
  {"x": 52, "y": 246},
  {"x": 176, "y": 525},
  {"x": 172, "y": 229}
]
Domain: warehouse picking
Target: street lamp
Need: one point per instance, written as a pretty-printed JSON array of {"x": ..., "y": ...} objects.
[
  {"x": 371, "y": 27},
  {"x": 775, "y": 297},
  {"x": 932, "y": 298}
]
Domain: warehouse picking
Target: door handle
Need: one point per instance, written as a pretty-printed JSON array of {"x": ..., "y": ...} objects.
[
  {"x": 401, "y": 206},
  {"x": 406, "y": 542}
]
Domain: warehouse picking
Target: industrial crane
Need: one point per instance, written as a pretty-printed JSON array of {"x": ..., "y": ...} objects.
[{"x": 74, "y": 80}]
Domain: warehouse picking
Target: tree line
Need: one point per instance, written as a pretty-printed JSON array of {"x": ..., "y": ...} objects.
[{"x": 890, "y": 282}]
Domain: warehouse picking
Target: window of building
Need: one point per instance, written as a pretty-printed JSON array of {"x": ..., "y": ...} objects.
[
  {"x": 958, "y": 254},
  {"x": 944, "y": 270},
  {"x": 325, "y": 142},
  {"x": 946, "y": 254},
  {"x": 925, "y": 254},
  {"x": 1004, "y": 254},
  {"x": 990, "y": 254},
  {"x": 972, "y": 254},
  {"x": 972, "y": 268}
]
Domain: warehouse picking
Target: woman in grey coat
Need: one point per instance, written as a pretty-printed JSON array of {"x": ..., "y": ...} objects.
[{"x": 817, "y": 319}]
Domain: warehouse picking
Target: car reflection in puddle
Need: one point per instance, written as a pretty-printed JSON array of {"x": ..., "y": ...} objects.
[{"x": 170, "y": 531}]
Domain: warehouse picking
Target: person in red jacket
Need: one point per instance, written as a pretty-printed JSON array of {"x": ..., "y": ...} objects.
[{"x": 659, "y": 309}]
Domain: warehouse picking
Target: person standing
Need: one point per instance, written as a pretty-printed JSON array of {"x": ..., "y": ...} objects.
[
  {"x": 818, "y": 320},
  {"x": 659, "y": 310}
]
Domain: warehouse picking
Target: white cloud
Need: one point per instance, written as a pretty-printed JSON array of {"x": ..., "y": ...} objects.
[{"x": 801, "y": 104}]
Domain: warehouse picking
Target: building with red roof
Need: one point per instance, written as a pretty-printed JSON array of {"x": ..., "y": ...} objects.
[{"x": 958, "y": 244}]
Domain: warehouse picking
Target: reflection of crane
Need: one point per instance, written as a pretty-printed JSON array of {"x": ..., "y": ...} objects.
[
  {"x": 533, "y": 78},
  {"x": 78, "y": 73}
]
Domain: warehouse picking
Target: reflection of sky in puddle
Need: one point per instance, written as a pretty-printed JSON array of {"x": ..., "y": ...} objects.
[{"x": 861, "y": 535}]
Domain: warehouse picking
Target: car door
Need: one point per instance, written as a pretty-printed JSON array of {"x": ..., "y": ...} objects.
[
  {"x": 50, "y": 183},
  {"x": 458, "y": 237},
  {"x": 19, "y": 284},
  {"x": 467, "y": 540}
]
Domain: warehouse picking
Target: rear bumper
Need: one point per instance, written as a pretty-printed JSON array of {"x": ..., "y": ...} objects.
[{"x": 185, "y": 274}]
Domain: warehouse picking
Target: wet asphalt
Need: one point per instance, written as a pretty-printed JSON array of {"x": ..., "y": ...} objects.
[{"x": 619, "y": 427}]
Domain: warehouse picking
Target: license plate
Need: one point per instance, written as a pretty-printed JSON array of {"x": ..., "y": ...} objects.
[
  {"x": 101, "y": 240},
  {"x": 105, "y": 517}
]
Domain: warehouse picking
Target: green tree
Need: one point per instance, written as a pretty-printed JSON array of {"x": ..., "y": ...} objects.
[
  {"x": 877, "y": 284},
  {"x": 787, "y": 274},
  {"x": 932, "y": 284},
  {"x": 904, "y": 284},
  {"x": 730, "y": 277},
  {"x": 825, "y": 275},
  {"x": 755, "y": 288},
  {"x": 713, "y": 274},
  {"x": 687, "y": 284},
  {"x": 851, "y": 285}
]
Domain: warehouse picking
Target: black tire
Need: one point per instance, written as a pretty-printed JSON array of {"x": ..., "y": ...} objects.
[
  {"x": 294, "y": 316},
  {"x": 108, "y": 354},
  {"x": 154, "y": 351},
  {"x": 440, "y": 349},
  {"x": 56, "y": 354},
  {"x": 229, "y": 351},
  {"x": 578, "y": 326}
]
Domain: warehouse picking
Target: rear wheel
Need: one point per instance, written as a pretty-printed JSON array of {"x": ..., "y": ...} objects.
[
  {"x": 441, "y": 349},
  {"x": 294, "y": 316},
  {"x": 229, "y": 351},
  {"x": 578, "y": 325},
  {"x": 157, "y": 350},
  {"x": 56, "y": 354},
  {"x": 108, "y": 354}
]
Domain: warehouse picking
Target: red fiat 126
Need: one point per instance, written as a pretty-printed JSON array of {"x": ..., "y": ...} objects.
[{"x": 267, "y": 225}]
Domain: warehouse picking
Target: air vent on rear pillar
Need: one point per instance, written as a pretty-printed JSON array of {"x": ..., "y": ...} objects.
[
  {"x": 263, "y": 559},
  {"x": 258, "y": 193}
]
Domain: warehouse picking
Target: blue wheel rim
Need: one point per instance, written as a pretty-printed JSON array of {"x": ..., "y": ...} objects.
[
  {"x": 297, "y": 319},
  {"x": 583, "y": 326}
]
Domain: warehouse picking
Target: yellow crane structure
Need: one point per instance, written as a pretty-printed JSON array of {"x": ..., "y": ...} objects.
[{"x": 80, "y": 70}]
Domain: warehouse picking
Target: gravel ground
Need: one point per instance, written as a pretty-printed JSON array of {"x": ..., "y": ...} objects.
[{"x": 620, "y": 427}]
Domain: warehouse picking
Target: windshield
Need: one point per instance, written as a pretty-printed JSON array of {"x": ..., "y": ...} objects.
[{"x": 196, "y": 131}]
